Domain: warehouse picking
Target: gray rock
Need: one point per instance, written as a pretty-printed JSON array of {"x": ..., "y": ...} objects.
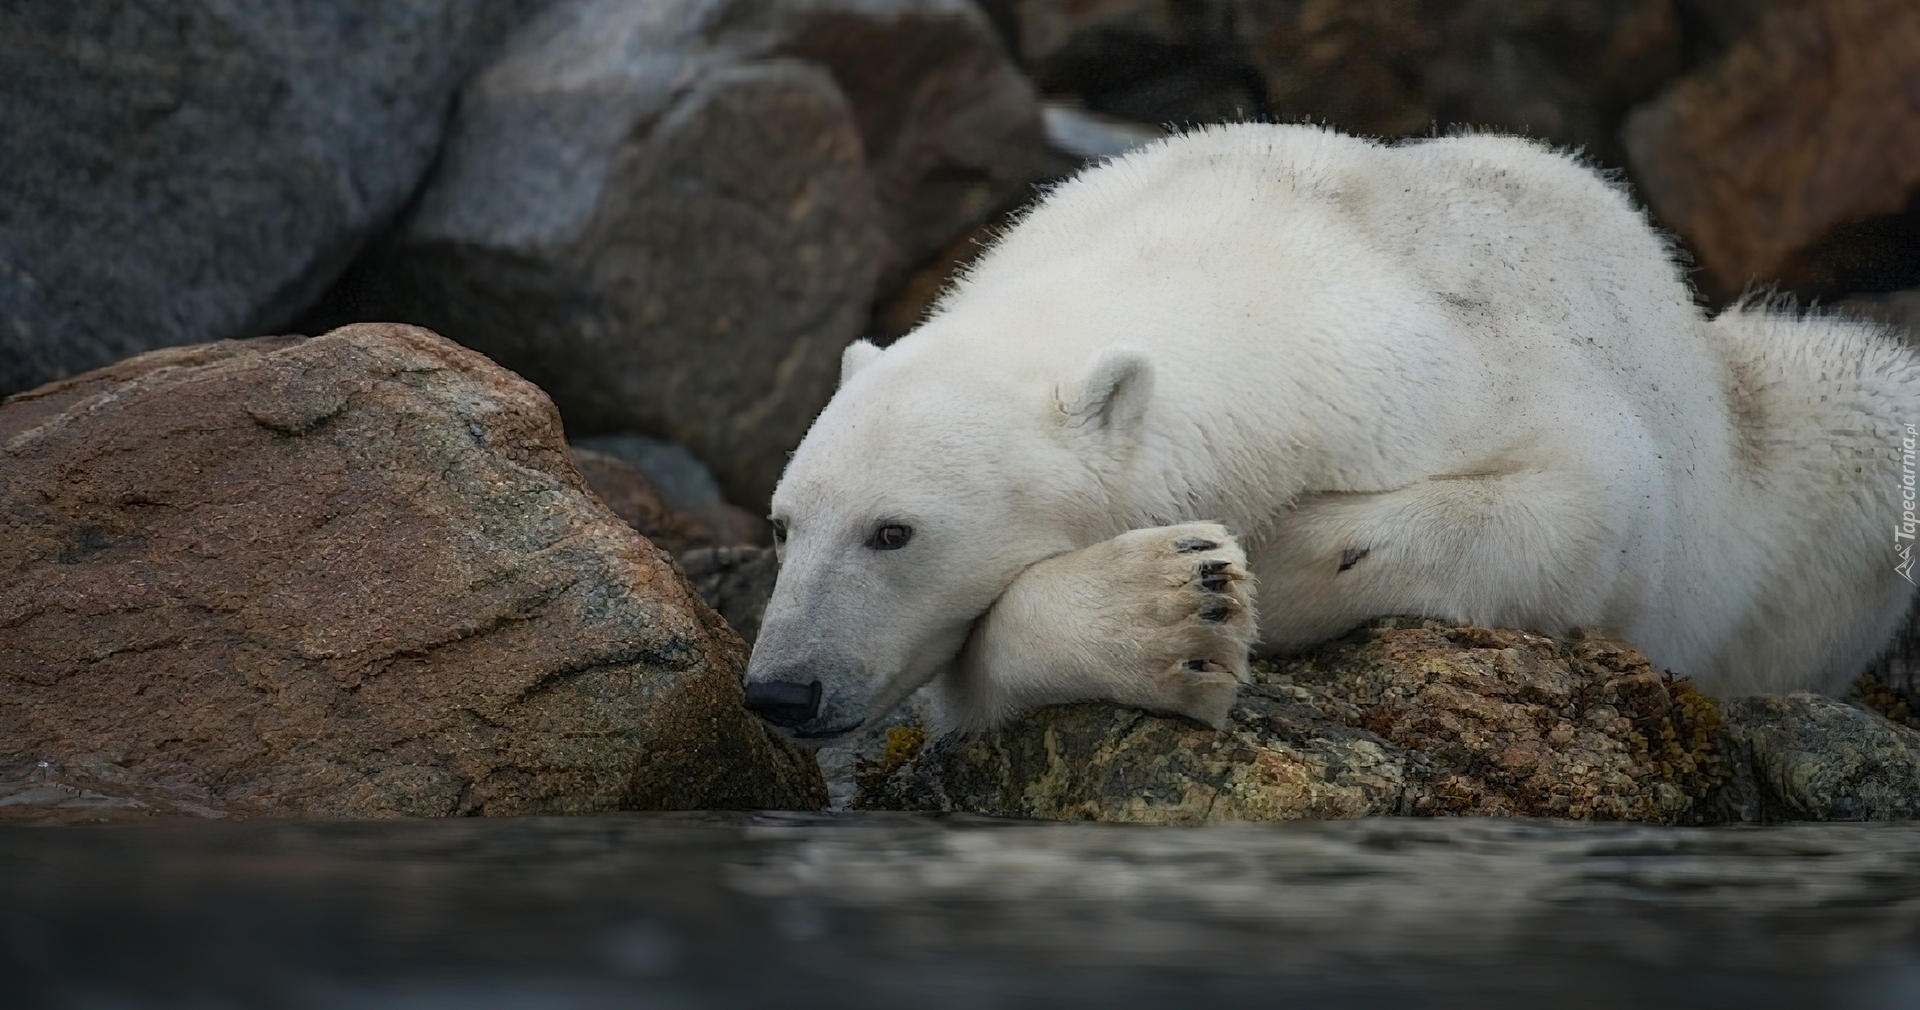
[
  {"x": 1811, "y": 758},
  {"x": 673, "y": 216},
  {"x": 176, "y": 173}
]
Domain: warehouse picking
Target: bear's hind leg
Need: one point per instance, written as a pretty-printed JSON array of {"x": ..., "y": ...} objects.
[
  {"x": 1511, "y": 547},
  {"x": 1158, "y": 618}
]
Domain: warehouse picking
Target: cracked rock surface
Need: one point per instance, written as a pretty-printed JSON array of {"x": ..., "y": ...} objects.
[{"x": 353, "y": 575}]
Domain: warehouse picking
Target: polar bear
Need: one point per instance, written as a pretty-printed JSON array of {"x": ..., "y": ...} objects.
[{"x": 1459, "y": 378}]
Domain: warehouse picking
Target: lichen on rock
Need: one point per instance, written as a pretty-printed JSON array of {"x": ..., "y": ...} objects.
[{"x": 1401, "y": 717}]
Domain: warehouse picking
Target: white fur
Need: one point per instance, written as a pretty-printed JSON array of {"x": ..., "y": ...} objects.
[{"x": 1469, "y": 357}]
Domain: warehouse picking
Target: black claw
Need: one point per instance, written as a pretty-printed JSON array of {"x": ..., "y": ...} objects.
[
  {"x": 1191, "y": 545},
  {"x": 1213, "y": 566},
  {"x": 1216, "y": 613},
  {"x": 1213, "y": 583}
]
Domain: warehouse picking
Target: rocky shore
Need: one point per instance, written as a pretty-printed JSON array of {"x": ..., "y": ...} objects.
[
  {"x": 1425, "y": 719},
  {"x": 364, "y": 569}
]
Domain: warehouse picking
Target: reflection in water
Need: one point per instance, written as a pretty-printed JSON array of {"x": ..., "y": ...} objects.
[{"x": 897, "y": 910}]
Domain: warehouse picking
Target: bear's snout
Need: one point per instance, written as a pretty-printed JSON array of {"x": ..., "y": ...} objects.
[{"x": 785, "y": 703}]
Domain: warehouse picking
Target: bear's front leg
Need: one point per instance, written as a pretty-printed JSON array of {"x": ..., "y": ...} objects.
[{"x": 1158, "y": 618}]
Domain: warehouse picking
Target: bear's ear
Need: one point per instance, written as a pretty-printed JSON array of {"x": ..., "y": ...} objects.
[
  {"x": 1111, "y": 396},
  {"x": 858, "y": 355}
]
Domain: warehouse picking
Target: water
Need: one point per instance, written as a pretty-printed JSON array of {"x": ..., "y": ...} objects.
[{"x": 692, "y": 911}]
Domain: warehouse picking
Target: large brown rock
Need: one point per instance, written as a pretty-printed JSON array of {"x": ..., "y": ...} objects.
[
  {"x": 1785, "y": 161},
  {"x": 1400, "y": 718},
  {"x": 674, "y": 216},
  {"x": 353, "y": 575}
]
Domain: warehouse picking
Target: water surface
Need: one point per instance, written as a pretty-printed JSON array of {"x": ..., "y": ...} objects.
[{"x": 691, "y": 911}]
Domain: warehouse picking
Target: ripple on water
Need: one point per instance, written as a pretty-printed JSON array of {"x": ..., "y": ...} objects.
[{"x": 702, "y": 910}]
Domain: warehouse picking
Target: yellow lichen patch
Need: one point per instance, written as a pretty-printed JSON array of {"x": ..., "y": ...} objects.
[{"x": 903, "y": 742}]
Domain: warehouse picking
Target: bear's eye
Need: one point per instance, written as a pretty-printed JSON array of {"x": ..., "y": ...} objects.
[
  {"x": 891, "y": 537},
  {"x": 779, "y": 531}
]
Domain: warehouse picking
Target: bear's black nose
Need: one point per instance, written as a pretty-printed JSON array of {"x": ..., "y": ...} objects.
[{"x": 783, "y": 702}]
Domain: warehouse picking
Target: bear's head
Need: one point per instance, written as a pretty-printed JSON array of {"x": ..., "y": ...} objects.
[{"x": 927, "y": 485}]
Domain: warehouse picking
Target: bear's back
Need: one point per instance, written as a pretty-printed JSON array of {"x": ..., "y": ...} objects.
[{"x": 1301, "y": 253}]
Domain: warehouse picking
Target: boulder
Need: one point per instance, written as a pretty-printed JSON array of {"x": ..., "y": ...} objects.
[
  {"x": 354, "y": 575},
  {"x": 1565, "y": 72},
  {"x": 1804, "y": 757},
  {"x": 187, "y": 172},
  {"x": 1795, "y": 159},
  {"x": 673, "y": 216},
  {"x": 1399, "y": 718}
]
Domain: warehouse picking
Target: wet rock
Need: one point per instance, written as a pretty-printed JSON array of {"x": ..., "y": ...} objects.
[
  {"x": 1400, "y": 718},
  {"x": 353, "y": 575},
  {"x": 1804, "y": 757},
  {"x": 1796, "y": 158},
  {"x": 673, "y": 216},
  {"x": 90, "y": 788},
  {"x": 186, "y": 172},
  {"x": 626, "y": 490}
]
